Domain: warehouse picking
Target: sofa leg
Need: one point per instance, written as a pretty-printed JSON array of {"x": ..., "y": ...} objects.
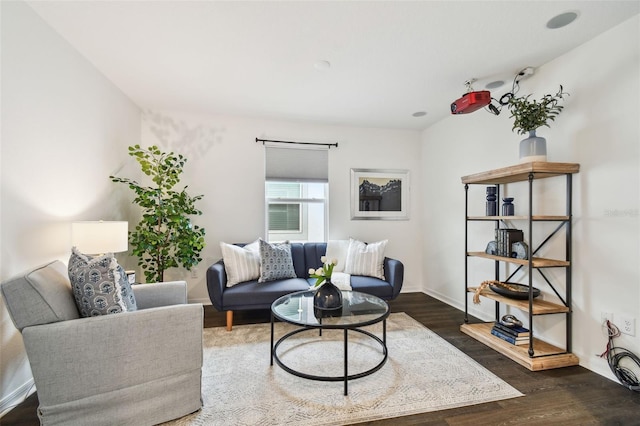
[{"x": 229, "y": 320}]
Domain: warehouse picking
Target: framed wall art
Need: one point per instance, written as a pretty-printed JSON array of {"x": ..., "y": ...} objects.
[{"x": 379, "y": 194}]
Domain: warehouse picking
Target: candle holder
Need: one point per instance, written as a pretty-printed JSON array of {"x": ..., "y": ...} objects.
[{"x": 507, "y": 207}]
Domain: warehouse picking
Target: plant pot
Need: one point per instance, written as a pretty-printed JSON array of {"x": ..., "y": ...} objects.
[
  {"x": 327, "y": 301},
  {"x": 533, "y": 148}
]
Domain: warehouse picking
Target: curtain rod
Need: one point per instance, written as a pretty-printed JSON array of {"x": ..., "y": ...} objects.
[{"x": 298, "y": 143}]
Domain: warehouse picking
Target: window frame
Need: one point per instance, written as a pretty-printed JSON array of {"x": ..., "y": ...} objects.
[{"x": 304, "y": 210}]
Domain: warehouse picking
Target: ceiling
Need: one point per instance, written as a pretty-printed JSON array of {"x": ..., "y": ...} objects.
[{"x": 388, "y": 59}]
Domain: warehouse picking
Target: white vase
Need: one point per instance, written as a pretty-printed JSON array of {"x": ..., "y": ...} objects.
[{"x": 533, "y": 148}]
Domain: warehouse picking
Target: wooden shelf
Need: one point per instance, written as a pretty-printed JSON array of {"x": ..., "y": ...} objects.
[
  {"x": 540, "y": 307},
  {"x": 520, "y": 172},
  {"x": 546, "y": 356},
  {"x": 534, "y": 218},
  {"x": 538, "y": 262}
]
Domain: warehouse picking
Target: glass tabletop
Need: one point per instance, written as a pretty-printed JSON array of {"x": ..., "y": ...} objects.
[{"x": 358, "y": 309}]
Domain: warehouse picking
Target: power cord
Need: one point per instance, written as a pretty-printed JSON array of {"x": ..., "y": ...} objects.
[
  {"x": 615, "y": 355},
  {"x": 496, "y": 104}
]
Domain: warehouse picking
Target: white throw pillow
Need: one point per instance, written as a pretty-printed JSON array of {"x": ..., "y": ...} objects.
[
  {"x": 337, "y": 249},
  {"x": 366, "y": 259},
  {"x": 241, "y": 263}
]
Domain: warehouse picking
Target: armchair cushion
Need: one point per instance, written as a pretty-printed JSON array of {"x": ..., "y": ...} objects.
[
  {"x": 100, "y": 285},
  {"x": 41, "y": 295}
]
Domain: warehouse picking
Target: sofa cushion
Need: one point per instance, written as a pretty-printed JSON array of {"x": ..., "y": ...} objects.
[
  {"x": 276, "y": 262},
  {"x": 255, "y": 295},
  {"x": 100, "y": 285},
  {"x": 241, "y": 263},
  {"x": 371, "y": 285},
  {"x": 338, "y": 249},
  {"x": 40, "y": 295},
  {"x": 365, "y": 259}
]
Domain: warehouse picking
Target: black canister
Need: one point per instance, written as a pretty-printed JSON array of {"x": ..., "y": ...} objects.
[
  {"x": 507, "y": 207},
  {"x": 492, "y": 203}
]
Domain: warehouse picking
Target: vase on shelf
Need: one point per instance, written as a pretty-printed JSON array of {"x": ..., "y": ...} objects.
[
  {"x": 533, "y": 148},
  {"x": 507, "y": 207},
  {"x": 492, "y": 204},
  {"x": 327, "y": 300}
]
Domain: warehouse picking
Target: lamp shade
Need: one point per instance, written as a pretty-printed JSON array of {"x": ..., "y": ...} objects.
[{"x": 99, "y": 237}]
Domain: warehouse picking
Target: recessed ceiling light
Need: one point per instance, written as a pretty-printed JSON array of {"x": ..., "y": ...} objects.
[
  {"x": 562, "y": 20},
  {"x": 419, "y": 114},
  {"x": 494, "y": 84},
  {"x": 322, "y": 65}
]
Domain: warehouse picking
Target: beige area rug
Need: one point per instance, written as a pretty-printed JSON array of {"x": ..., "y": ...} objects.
[{"x": 423, "y": 373}]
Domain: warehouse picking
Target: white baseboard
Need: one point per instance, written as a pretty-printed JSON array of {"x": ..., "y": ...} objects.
[
  {"x": 16, "y": 397},
  {"x": 459, "y": 304}
]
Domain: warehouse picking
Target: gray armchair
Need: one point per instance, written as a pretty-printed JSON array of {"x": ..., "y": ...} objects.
[{"x": 134, "y": 368}]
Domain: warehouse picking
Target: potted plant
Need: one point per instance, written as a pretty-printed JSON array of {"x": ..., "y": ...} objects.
[
  {"x": 165, "y": 237},
  {"x": 530, "y": 114}
]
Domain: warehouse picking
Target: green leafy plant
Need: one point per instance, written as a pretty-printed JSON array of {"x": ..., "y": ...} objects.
[
  {"x": 530, "y": 114},
  {"x": 165, "y": 237},
  {"x": 324, "y": 272}
]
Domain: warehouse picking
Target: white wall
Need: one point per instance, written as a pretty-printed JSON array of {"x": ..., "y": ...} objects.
[
  {"x": 598, "y": 129},
  {"x": 65, "y": 128},
  {"x": 227, "y": 166}
]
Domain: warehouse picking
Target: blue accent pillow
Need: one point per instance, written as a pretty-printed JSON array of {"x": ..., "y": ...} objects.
[
  {"x": 100, "y": 285},
  {"x": 275, "y": 262}
]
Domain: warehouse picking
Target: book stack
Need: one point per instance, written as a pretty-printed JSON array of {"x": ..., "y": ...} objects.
[
  {"x": 505, "y": 237},
  {"x": 515, "y": 335}
]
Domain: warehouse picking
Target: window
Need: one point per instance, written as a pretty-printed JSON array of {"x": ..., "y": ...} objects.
[
  {"x": 284, "y": 217},
  {"x": 296, "y": 188},
  {"x": 296, "y": 211}
]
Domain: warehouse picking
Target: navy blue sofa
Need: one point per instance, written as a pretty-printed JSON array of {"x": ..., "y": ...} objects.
[{"x": 254, "y": 295}]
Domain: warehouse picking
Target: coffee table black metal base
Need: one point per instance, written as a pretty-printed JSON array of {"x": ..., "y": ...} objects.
[{"x": 344, "y": 377}]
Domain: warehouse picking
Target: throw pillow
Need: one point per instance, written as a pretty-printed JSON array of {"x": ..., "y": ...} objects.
[
  {"x": 241, "y": 263},
  {"x": 366, "y": 259},
  {"x": 100, "y": 285},
  {"x": 337, "y": 249},
  {"x": 275, "y": 262}
]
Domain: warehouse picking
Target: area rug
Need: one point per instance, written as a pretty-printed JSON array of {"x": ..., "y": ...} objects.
[{"x": 423, "y": 373}]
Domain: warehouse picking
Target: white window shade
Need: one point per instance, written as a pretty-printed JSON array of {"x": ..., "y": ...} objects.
[{"x": 295, "y": 164}]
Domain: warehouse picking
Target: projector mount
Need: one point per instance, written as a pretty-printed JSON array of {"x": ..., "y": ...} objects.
[{"x": 472, "y": 100}]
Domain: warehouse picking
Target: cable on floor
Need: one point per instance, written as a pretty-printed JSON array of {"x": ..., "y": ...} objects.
[{"x": 615, "y": 355}]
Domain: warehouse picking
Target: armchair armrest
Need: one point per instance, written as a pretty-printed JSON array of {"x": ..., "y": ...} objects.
[
  {"x": 216, "y": 282},
  {"x": 394, "y": 274},
  {"x": 160, "y": 294},
  {"x": 81, "y": 359}
]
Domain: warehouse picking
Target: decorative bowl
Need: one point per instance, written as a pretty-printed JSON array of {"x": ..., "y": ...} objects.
[{"x": 521, "y": 292}]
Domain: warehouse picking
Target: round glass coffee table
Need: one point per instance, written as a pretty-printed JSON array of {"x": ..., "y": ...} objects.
[{"x": 358, "y": 310}]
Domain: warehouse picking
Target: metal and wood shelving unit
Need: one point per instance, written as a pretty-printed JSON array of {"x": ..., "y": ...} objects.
[{"x": 538, "y": 354}]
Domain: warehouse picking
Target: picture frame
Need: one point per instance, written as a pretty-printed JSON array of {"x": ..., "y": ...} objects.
[{"x": 380, "y": 194}]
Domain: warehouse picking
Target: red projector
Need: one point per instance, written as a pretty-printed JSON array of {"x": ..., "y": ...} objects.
[{"x": 470, "y": 102}]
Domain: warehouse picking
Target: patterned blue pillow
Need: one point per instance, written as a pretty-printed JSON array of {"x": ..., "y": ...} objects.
[
  {"x": 100, "y": 285},
  {"x": 275, "y": 262}
]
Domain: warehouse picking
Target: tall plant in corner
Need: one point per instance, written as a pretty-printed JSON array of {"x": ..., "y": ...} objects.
[{"x": 165, "y": 237}]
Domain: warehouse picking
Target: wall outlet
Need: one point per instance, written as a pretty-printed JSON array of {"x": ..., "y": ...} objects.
[
  {"x": 627, "y": 325},
  {"x": 194, "y": 272},
  {"x": 604, "y": 316}
]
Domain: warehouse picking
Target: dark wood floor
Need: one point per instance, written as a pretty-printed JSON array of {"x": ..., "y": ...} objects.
[{"x": 567, "y": 396}]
